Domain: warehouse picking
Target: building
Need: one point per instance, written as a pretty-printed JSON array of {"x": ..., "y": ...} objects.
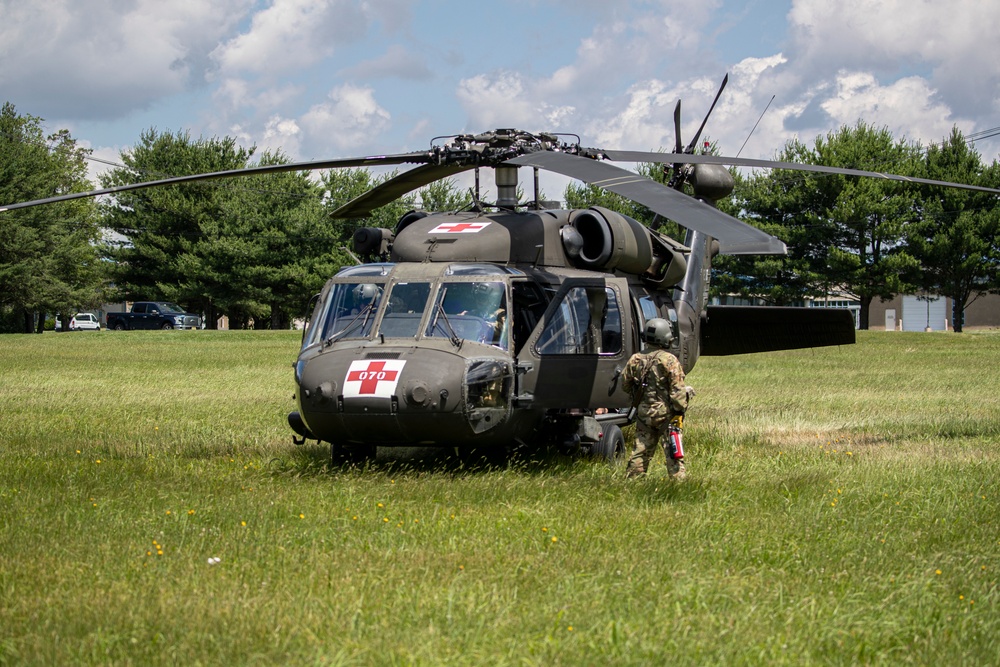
[
  {"x": 917, "y": 312},
  {"x": 905, "y": 312}
]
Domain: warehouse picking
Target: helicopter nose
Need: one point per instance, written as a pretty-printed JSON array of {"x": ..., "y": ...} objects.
[{"x": 390, "y": 397}]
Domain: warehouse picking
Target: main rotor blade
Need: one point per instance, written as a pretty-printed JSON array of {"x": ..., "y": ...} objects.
[
  {"x": 735, "y": 237},
  {"x": 374, "y": 160},
  {"x": 396, "y": 187},
  {"x": 697, "y": 136},
  {"x": 650, "y": 156},
  {"x": 678, "y": 146}
]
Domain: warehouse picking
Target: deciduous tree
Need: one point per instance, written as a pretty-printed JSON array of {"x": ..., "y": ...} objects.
[{"x": 48, "y": 258}]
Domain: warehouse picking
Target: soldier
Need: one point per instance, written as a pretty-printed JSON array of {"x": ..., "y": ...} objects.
[
  {"x": 365, "y": 295},
  {"x": 483, "y": 300},
  {"x": 655, "y": 380}
]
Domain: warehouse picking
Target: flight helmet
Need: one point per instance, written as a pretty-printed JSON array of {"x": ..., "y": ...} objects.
[{"x": 658, "y": 332}]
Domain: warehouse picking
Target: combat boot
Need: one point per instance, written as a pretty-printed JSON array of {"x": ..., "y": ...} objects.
[{"x": 675, "y": 467}]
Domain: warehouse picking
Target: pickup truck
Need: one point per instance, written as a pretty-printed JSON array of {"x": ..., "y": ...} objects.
[{"x": 153, "y": 315}]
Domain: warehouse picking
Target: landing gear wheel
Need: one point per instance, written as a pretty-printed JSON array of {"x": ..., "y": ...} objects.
[{"x": 611, "y": 446}]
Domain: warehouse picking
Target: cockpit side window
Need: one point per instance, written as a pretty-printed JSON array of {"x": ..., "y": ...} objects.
[
  {"x": 475, "y": 311},
  {"x": 351, "y": 309},
  {"x": 587, "y": 321}
]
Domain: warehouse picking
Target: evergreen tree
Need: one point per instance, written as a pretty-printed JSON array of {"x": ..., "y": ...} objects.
[
  {"x": 957, "y": 238},
  {"x": 843, "y": 232},
  {"x": 253, "y": 248}
]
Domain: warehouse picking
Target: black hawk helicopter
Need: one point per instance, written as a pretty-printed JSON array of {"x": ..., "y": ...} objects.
[{"x": 509, "y": 322}]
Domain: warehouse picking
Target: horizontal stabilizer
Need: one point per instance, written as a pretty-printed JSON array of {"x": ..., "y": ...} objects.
[{"x": 749, "y": 329}]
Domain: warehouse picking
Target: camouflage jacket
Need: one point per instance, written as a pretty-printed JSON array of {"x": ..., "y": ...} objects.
[{"x": 655, "y": 380}]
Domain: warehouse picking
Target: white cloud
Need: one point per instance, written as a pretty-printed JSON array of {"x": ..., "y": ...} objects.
[
  {"x": 497, "y": 100},
  {"x": 507, "y": 99},
  {"x": 281, "y": 134},
  {"x": 906, "y": 107},
  {"x": 292, "y": 34},
  {"x": 950, "y": 43},
  {"x": 349, "y": 120},
  {"x": 611, "y": 72},
  {"x": 105, "y": 58},
  {"x": 396, "y": 62}
]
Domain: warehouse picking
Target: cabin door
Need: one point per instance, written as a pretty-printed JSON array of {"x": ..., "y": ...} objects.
[{"x": 575, "y": 355}]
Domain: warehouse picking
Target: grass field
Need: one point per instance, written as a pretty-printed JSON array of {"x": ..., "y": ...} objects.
[{"x": 842, "y": 507}]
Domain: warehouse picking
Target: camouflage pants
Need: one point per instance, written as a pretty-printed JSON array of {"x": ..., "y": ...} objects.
[{"x": 647, "y": 440}]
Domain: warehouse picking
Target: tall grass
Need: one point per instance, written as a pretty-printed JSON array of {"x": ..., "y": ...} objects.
[{"x": 842, "y": 508}]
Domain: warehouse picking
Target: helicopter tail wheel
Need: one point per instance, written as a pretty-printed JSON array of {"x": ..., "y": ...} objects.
[{"x": 611, "y": 446}]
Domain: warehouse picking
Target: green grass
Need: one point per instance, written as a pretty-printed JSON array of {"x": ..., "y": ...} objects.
[{"x": 841, "y": 508}]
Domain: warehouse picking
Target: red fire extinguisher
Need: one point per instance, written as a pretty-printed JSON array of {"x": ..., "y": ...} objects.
[{"x": 674, "y": 444}]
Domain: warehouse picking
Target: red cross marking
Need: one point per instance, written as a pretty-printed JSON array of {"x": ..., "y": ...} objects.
[
  {"x": 459, "y": 227},
  {"x": 371, "y": 376}
]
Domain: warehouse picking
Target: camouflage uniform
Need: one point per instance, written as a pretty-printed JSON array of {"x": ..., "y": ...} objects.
[{"x": 658, "y": 377}]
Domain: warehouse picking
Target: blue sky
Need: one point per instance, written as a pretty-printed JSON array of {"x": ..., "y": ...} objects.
[{"x": 331, "y": 78}]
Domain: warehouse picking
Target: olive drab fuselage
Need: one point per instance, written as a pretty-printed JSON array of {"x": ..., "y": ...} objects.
[{"x": 482, "y": 329}]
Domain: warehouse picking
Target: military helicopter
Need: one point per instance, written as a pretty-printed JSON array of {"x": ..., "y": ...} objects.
[{"x": 509, "y": 323}]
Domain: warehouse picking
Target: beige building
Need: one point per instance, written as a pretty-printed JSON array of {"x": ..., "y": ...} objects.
[
  {"x": 905, "y": 312},
  {"x": 919, "y": 313}
]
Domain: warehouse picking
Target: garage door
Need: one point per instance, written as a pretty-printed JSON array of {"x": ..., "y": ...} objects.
[{"x": 921, "y": 312}]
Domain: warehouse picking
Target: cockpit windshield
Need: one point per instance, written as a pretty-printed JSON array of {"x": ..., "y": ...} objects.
[
  {"x": 474, "y": 311},
  {"x": 404, "y": 310}
]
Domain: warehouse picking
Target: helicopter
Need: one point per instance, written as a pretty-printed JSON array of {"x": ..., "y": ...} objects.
[{"x": 508, "y": 323}]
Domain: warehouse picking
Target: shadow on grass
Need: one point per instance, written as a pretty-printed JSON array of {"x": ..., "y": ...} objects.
[{"x": 317, "y": 460}]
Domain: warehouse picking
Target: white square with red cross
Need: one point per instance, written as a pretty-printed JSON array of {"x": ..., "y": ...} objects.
[{"x": 373, "y": 377}]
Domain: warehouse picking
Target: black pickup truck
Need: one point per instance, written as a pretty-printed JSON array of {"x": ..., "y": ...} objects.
[{"x": 153, "y": 315}]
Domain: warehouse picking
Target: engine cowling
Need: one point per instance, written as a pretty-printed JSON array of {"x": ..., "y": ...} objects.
[{"x": 608, "y": 241}]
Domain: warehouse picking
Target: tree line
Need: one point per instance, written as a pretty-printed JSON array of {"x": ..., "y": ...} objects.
[
  {"x": 256, "y": 248},
  {"x": 253, "y": 248}
]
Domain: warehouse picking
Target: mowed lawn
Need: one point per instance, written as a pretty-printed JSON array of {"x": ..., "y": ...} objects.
[{"x": 842, "y": 507}]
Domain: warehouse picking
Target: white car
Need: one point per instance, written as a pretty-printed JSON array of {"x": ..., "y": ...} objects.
[{"x": 84, "y": 321}]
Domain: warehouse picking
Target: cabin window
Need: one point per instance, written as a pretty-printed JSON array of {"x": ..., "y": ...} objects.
[
  {"x": 530, "y": 302},
  {"x": 649, "y": 310},
  {"x": 586, "y": 321}
]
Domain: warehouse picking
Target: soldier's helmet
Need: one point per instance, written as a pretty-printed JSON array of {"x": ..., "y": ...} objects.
[
  {"x": 658, "y": 332},
  {"x": 486, "y": 297},
  {"x": 365, "y": 292}
]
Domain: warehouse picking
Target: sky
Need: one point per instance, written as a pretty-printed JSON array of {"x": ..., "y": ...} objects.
[{"x": 320, "y": 79}]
